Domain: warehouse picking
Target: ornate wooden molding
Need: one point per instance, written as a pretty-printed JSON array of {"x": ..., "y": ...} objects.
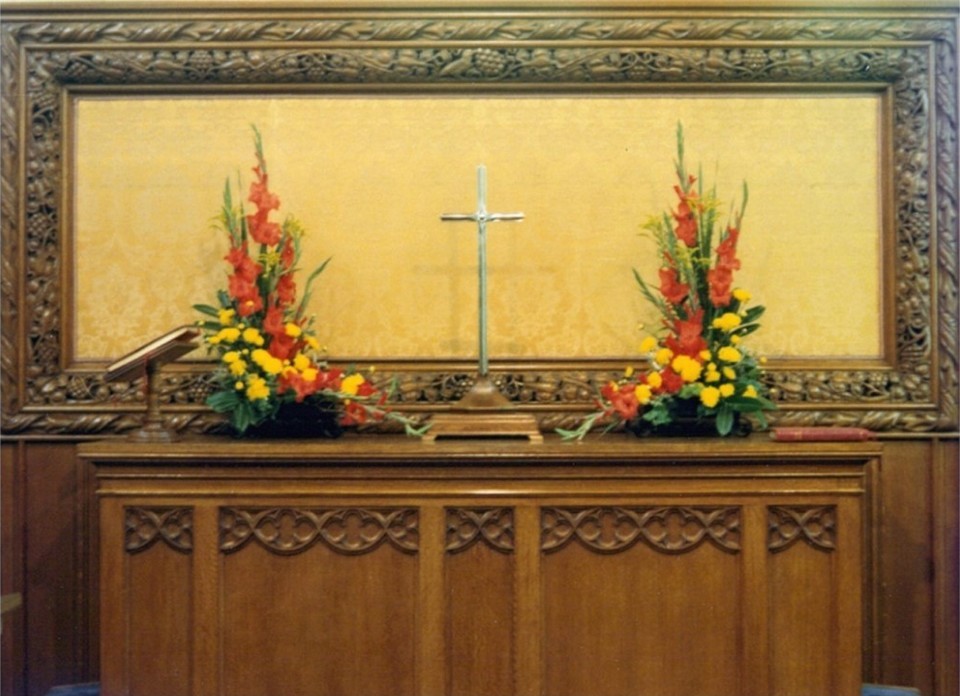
[
  {"x": 912, "y": 55},
  {"x": 493, "y": 526},
  {"x": 145, "y": 526},
  {"x": 674, "y": 529},
  {"x": 288, "y": 531},
  {"x": 815, "y": 525}
]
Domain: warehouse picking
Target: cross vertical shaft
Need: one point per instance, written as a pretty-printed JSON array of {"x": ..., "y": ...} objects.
[{"x": 482, "y": 217}]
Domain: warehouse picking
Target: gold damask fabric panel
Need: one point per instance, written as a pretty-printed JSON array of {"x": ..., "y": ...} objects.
[{"x": 369, "y": 176}]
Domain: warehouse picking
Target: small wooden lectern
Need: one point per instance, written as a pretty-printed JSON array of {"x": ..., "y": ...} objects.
[{"x": 145, "y": 361}]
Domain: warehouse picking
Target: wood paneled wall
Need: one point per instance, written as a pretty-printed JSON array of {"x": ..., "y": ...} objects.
[{"x": 49, "y": 550}]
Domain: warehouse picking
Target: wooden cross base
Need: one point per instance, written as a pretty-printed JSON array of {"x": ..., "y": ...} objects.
[{"x": 483, "y": 413}]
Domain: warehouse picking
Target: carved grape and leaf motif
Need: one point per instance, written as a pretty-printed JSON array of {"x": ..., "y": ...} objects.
[
  {"x": 143, "y": 527},
  {"x": 351, "y": 531},
  {"x": 669, "y": 529},
  {"x": 491, "y": 526}
]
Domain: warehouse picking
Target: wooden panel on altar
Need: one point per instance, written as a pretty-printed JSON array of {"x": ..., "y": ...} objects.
[{"x": 381, "y": 566}]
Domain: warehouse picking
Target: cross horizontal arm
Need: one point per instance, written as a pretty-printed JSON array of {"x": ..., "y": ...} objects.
[{"x": 454, "y": 217}]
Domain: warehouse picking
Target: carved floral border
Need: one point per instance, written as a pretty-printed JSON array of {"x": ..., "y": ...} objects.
[{"x": 46, "y": 54}]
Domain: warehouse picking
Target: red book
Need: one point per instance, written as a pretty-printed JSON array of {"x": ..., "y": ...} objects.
[{"x": 820, "y": 434}]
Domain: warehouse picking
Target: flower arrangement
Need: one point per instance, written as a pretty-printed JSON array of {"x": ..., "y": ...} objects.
[
  {"x": 697, "y": 364},
  {"x": 267, "y": 353}
]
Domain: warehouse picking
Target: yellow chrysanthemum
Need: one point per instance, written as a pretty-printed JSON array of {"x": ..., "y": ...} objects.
[
  {"x": 735, "y": 340},
  {"x": 628, "y": 372},
  {"x": 664, "y": 356},
  {"x": 310, "y": 374},
  {"x": 729, "y": 373},
  {"x": 729, "y": 354},
  {"x": 705, "y": 355},
  {"x": 351, "y": 383},
  {"x": 750, "y": 392},
  {"x": 643, "y": 393},
  {"x": 710, "y": 396},
  {"x": 312, "y": 342},
  {"x": 688, "y": 368},
  {"x": 227, "y": 335},
  {"x": 252, "y": 336},
  {"x": 226, "y": 316},
  {"x": 293, "y": 330},
  {"x": 655, "y": 380},
  {"x": 742, "y": 295},
  {"x": 239, "y": 385},
  {"x": 727, "y": 322},
  {"x": 711, "y": 376},
  {"x": 238, "y": 368},
  {"x": 231, "y": 356},
  {"x": 648, "y": 344},
  {"x": 267, "y": 363},
  {"x": 301, "y": 362},
  {"x": 257, "y": 389},
  {"x": 726, "y": 390}
]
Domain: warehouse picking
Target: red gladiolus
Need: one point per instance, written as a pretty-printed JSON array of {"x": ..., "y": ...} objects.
[
  {"x": 260, "y": 194},
  {"x": 243, "y": 265},
  {"x": 300, "y": 386},
  {"x": 330, "y": 379},
  {"x": 262, "y": 230},
  {"x": 282, "y": 347},
  {"x": 671, "y": 382},
  {"x": 286, "y": 289},
  {"x": 671, "y": 288},
  {"x": 287, "y": 255},
  {"x": 246, "y": 295},
  {"x": 623, "y": 399},
  {"x": 687, "y": 336},
  {"x": 720, "y": 278},
  {"x": 273, "y": 322},
  {"x": 686, "y": 221}
]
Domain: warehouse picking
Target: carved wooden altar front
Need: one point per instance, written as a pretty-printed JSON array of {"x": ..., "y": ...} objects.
[{"x": 382, "y": 566}]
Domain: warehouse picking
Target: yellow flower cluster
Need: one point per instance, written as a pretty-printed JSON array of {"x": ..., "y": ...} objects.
[{"x": 715, "y": 370}]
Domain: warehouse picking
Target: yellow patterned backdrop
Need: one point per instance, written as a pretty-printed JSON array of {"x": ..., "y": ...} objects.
[{"x": 369, "y": 177}]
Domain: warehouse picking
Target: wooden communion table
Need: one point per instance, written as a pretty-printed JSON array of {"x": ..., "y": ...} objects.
[{"x": 379, "y": 565}]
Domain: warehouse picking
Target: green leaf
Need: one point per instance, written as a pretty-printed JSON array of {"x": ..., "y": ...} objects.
[
  {"x": 223, "y": 401},
  {"x": 724, "y": 420},
  {"x": 752, "y": 314},
  {"x": 208, "y": 310},
  {"x": 306, "y": 288},
  {"x": 745, "y": 330}
]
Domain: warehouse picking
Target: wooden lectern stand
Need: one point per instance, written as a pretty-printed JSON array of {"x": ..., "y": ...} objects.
[{"x": 146, "y": 361}]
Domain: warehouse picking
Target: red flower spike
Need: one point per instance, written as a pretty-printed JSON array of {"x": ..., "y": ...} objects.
[
  {"x": 686, "y": 222},
  {"x": 687, "y": 336},
  {"x": 671, "y": 382},
  {"x": 286, "y": 290},
  {"x": 720, "y": 278},
  {"x": 273, "y": 322},
  {"x": 243, "y": 265},
  {"x": 671, "y": 288},
  {"x": 260, "y": 195}
]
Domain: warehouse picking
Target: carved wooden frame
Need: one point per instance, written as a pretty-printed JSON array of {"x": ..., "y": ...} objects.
[{"x": 908, "y": 56}]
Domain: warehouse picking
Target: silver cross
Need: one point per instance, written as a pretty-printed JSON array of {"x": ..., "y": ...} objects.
[{"x": 482, "y": 217}]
